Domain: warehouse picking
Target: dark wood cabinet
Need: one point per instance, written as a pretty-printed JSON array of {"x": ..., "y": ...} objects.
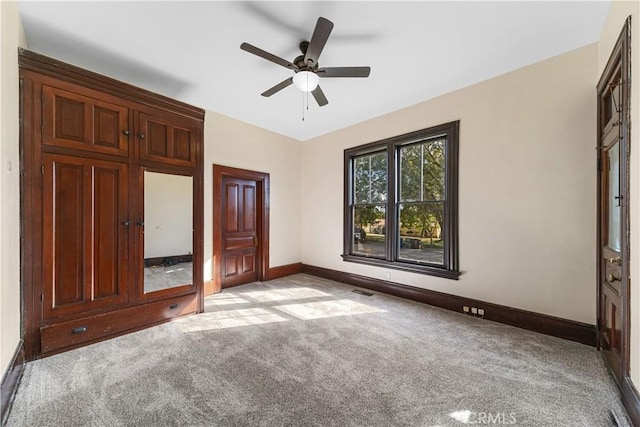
[{"x": 86, "y": 142}]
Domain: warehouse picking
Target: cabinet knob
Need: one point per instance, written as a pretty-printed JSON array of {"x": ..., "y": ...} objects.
[
  {"x": 125, "y": 223},
  {"x": 126, "y": 132},
  {"x": 140, "y": 223},
  {"x": 141, "y": 136}
]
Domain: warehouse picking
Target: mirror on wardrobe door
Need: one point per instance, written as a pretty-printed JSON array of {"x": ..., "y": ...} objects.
[{"x": 168, "y": 231}]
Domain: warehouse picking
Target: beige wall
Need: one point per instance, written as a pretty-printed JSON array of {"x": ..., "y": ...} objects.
[
  {"x": 12, "y": 36},
  {"x": 619, "y": 12},
  {"x": 527, "y": 187},
  {"x": 230, "y": 142}
]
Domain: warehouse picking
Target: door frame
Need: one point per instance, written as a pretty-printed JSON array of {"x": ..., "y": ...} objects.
[
  {"x": 619, "y": 55},
  {"x": 262, "y": 208}
]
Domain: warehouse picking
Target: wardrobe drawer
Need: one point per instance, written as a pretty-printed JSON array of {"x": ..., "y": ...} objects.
[{"x": 103, "y": 326}]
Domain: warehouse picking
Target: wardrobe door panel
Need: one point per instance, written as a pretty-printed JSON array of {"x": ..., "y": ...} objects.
[
  {"x": 167, "y": 139},
  {"x": 84, "y": 234},
  {"x": 72, "y": 120}
]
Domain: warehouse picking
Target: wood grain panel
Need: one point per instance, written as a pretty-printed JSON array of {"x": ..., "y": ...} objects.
[
  {"x": 249, "y": 207},
  {"x": 182, "y": 144},
  {"x": 106, "y": 127},
  {"x": 68, "y": 119},
  {"x": 64, "y": 247},
  {"x": 248, "y": 263},
  {"x": 231, "y": 265},
  {"x": 236, "y": 243},
  {"x": 110, "y": 245},
  {"x": 157, "y": 138},
  {"x": 231, "y": 208}
]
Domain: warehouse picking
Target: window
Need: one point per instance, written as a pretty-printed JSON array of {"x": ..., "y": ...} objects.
[{"x": 401, "y": 199}]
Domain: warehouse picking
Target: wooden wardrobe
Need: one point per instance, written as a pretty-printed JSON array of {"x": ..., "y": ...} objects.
[{"x": 111, "y": 209}]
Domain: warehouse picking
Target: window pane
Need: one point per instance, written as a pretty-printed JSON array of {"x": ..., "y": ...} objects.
[
  {"x": 614, "y": 205},
  {"x": 369, "y": 237},
  {"x": 420, "y": 232},
  {"x": 370, "y": 178},
  {"x": 422, "y": 171},
  {"x": 433, "y": 170},
  {"x": 410, "y": 173}
]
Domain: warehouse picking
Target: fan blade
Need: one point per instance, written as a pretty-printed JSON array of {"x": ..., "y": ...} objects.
[
  {"x": 318, "y": 40},
  {"x": 318, "y": 94},
  {"x": 278, "y": 87},
  {"x": 344, "y": 72},
  {"x": 268, "y": 56}
]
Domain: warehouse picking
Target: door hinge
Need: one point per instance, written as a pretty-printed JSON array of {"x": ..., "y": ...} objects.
[
  {"x": 42, "y": 169},
  {"x": 42, "y": 127},
  {"x": 42, "y": 95},
  {"x": 42, "y": 297},
  {"x": 599, "y": 164}
]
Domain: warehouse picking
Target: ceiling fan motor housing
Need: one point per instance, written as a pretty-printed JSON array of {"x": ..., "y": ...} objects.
[{"x": 299, "y": 61}]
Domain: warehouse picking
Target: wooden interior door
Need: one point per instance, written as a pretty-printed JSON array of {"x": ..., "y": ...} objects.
[
  {"x": 84, "y": 241},
  {"x": 611, "y": 234},
  {"x": 613, "y": 212},
  {"x": 240, "y": 232}
]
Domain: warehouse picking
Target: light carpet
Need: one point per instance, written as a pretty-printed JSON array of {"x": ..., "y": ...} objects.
[{"x": 304, "y": 351}]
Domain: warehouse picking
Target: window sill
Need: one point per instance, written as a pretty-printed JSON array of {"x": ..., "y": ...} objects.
[{"x": 411, "y": 268}]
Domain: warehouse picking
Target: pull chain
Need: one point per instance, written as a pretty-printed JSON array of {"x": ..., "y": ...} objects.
[
  {"x": 303, "y": 106},
  {"x": 307, "y": 92}
]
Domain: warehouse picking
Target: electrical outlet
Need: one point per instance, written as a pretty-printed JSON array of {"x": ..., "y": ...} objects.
[
  {"x": 474, "y": 310},
  {"x": 480, "y": 312},
  {"x": 465, "y": 309}
]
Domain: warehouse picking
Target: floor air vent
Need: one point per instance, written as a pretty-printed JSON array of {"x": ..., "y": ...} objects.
[{"x": 361, "y": 292}]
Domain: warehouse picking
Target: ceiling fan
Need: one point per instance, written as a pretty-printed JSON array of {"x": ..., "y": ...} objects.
[{"x": 307, "y": 70}]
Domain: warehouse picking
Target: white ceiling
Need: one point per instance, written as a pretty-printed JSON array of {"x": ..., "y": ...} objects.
[{"x": 417, "y": 50}]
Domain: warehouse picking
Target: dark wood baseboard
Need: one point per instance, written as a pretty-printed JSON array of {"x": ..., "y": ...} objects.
[
  {"x": 167, "y": 260},
  {"x": 11, "y": 379},
  {"x": 284, "y": 270},
  {"x": 549, "y": 325},
  {"x": 631, "y": 401}
]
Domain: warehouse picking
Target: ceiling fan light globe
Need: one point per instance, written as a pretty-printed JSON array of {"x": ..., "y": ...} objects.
[{"x": 306, "y": 81}]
